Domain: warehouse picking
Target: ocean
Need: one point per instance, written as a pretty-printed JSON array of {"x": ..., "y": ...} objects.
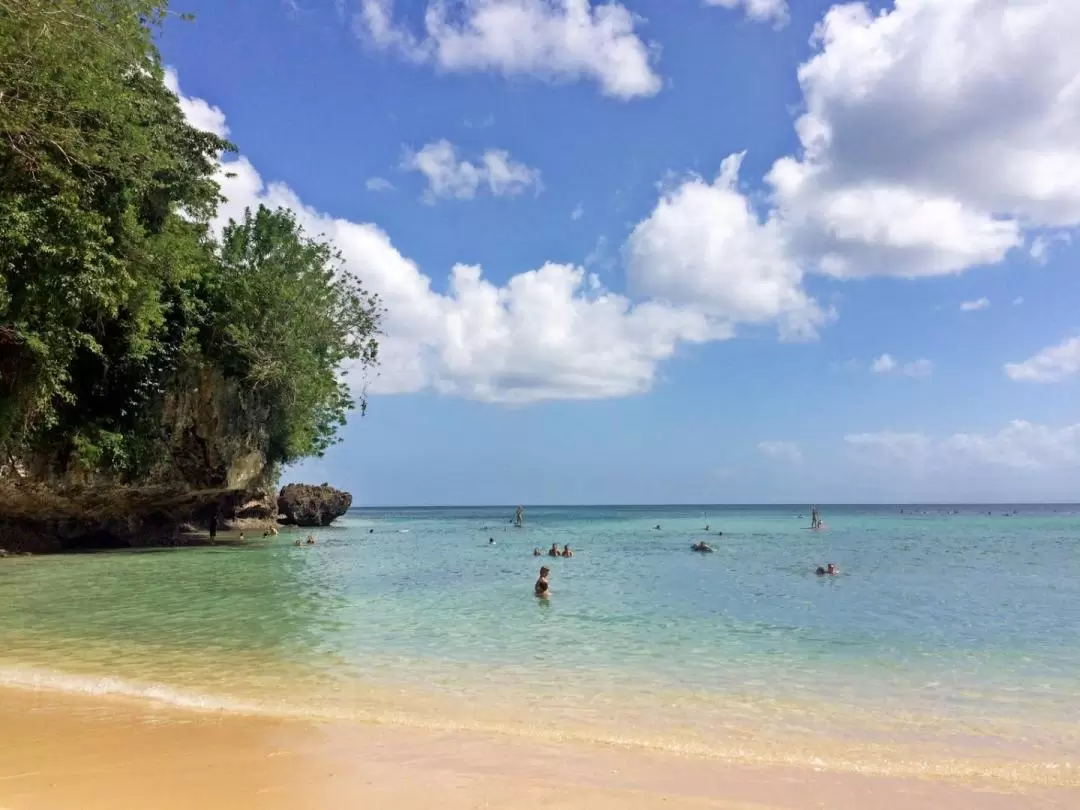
[{"x": 948, "y": 645}]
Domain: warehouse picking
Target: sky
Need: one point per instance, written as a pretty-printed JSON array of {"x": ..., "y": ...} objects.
[{"x": 677, "y": 251}]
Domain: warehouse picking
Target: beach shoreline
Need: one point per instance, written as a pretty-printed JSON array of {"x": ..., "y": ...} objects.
[{"x": 65, "y": 751}]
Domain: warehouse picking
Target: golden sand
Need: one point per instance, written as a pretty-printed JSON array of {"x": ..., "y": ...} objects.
[{"x": 68, "y": 752}]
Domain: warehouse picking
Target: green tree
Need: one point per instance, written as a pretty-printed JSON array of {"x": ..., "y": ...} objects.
[
  {"x": 96, "y": 162},
  {"x": 285, "y": 317}
]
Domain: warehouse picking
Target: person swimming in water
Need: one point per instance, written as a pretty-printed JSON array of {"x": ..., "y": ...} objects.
[
  {"x": 831, "y": 569},
  {"x": 566, "y": 552},
  {"x": 310, "y": 540},
  {"x": 537, "y": 552},
  {"x": 541, "y": 588},
  {"x": 656, "y": 528},
  {"x": 491, "y": 541},
  {"x": 703, "y": 547},
  {"x": 554, "y": 550}
]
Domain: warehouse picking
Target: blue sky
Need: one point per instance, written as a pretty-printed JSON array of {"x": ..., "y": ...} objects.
[{"x": 706, "y": 251}]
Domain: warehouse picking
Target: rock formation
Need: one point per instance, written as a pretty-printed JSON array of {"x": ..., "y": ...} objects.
[
  {"x": 306, "y": 505},
  {"x": 45, "y": 519}
]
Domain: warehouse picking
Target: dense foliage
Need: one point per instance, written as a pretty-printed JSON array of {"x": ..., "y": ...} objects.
[{"x": 110, "y": 278}]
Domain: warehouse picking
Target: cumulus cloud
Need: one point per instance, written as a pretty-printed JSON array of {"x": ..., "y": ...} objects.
[
  {"x": 578, "y": 212},
  {"x": 549, "y": 333},
  {"x": 452, "y": 178},
  {"x": 975, "y": 306},
  {"x": 886, "y": 364},
  {"x": 763, "y": 10},
  {"x": 379, "y": 184},
  {"x": 705, "y": 245},
  {"x": 563, "y": 40},
  {"x": 934, "y": 136},
  {"x": 883, "y": 364},
  {"x": 1052, "y": 364},
  {"x": 782, "y": 451},
  {"x": 1020, "y": 445},
  {"x": 199, "y": 113}
]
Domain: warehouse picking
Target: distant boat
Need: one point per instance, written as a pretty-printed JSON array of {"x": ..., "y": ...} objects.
[{"x": 519, "y": 517}]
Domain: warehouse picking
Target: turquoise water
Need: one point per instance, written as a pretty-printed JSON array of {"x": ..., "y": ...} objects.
[{"x": 957, "y": 633}]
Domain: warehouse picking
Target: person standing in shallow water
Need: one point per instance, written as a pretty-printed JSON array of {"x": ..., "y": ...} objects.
[
  {"x": 554, "y": 551},
  {"x": 541, "y": 588}
]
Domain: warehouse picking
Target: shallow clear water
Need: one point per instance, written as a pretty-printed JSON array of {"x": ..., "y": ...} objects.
[{"x": 952, "y": 633}]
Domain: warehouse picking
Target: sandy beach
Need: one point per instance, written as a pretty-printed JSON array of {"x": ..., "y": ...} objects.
[{"x": 62, "y": 752}]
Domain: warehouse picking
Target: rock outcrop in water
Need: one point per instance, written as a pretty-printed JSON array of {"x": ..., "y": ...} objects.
[{"x": 306, "y": 505}]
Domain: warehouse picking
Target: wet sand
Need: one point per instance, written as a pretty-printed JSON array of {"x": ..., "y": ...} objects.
[{"x": 64, "y": 752}]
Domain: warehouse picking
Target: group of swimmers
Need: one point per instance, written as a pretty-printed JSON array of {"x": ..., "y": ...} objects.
[
  {"x": 554, "y": 551},
  {"x": 829, "y": 570},
  {"x": 309, "y": 542}
]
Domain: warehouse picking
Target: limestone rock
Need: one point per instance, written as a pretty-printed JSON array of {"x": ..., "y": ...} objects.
[{"x": 307, "y": 505}]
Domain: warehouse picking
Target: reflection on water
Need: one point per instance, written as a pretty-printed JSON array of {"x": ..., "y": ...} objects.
[{"x": 956, "y": 634}]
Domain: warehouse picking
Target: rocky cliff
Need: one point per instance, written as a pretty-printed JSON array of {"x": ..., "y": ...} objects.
[{"x": 306, "y": 505}]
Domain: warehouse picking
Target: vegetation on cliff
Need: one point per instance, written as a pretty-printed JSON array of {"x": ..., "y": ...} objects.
[{"x": 118, "y": 301}]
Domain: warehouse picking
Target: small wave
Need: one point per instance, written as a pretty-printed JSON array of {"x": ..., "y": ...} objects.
[{"x": 39, "y": 680}]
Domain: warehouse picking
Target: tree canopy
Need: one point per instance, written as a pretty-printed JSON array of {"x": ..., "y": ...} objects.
[{"x": 110, "y": 277}]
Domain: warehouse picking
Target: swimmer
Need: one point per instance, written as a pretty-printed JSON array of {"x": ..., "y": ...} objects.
[
  {"x": 820, "y": 571},
  {"x": 241, "y": 535},
  {"x": 703, "y": 547},
  {"x": 566, "y": 552},
  {"x": 310, "y": 540},
  {"x": 542, "y": 589},
  {"x": 537, "y": 552},
  {"x": 706, "y": 527},
  {"x": 656, "y": 528},
  {"x": 371, "y": 531},
  {"x": 831, "y": 570},
  {"x": 491, "y": 541},
  {"x": 297, "y": 543},
  {"x": 554, "y": 550}
]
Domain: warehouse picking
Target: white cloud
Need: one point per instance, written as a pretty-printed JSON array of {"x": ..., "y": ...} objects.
[
  {"x": 886, "y": 364},
  {"x": 705, "y": 246},
  {"x": 883, "y": 364},
  {"x": 578, "y": 212},
  {"x": 199, "y": 114},
  {"x": 765, "y": 10},
  {"x": 1018, "y": 301},
  {"x": 379, "y": 184},
  {"x": 975, "y": 306},
  {"x": 782, "y": 451},
  {"x": 563, "y": 40},
  {"x": 1020, "y": 445},
  {"x": 451, "y": 178},
  {"x": 1042, "y": 244},
  {"x": 935, "y": 135},
  {"x": 550, "y": 333},
  {"x": 1052, "y": 364}
]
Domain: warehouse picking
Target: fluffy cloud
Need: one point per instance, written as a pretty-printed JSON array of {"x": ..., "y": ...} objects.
[
  {"x": 782, "y": 451},
  {"x": 934, "y": 136},
  {"x": 550, "y": 333},
  {"x": 451, "y": 178},
  {"x": 975, "y": 306},
  {"x": 1052, "y": 364},
  {"x": 379, "y": 184},
  {"x": 557, "y": 39},
  {"x": 883, "y": 364},
  {"x": 765, "y": 10},
  {"x": 886, "y": 364},
  {"x": 198, "y": 112},
  {"x": 1018, "y": 446},
  {"x": 704, "y": 245}
]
